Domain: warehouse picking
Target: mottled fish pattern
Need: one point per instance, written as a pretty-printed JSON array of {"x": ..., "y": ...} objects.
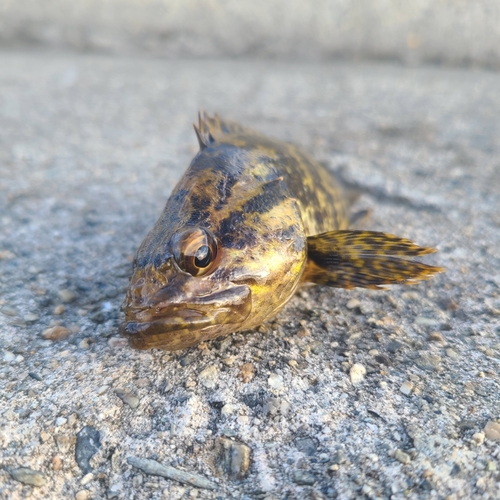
[{"x": 251, "y": 219}]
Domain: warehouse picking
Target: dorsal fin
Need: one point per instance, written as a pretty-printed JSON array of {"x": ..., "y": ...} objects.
[{"x": 203, "y": 134}]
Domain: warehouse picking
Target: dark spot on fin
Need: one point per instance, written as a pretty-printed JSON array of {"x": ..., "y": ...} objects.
[{"x": 366, "y": 259}]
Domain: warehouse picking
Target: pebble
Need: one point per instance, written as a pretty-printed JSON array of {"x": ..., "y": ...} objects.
[
  {"x": 478, "y": 438},
  {"x": 307, "y": 446},
  {"x": 128, "y": 398},
  {"x": 156, "y": 469},
  {"x": 232, "y": 457},
  {"x": 353, "y": 304},
  {"x": 7, "y": 255},
  {"x": 88, "y": 442},
  {"x": 84, "y": 343},
  {"x": 57, "y": 463},
  {"x": 82, "y": 495},
  {"x": 56, "y": 333},
  {"x": 275, "y": 381},
  {"x": 58, "y": 310},
  {"x": 227, "y": 409},
  {"x": 272, "y": 406},
  {"x": 407, "y": 388},
  {"x": 60, "y": 421},
  {"x": 30, "y": 318},
  {"x": 357, "y": 373},
  {"x": 117, "y": 342},
  {"x": 492, "y": 431},
  {"x": 428, "y": 362},
  {"x": 303, "y": 477},
  {"x": 87, "y": 478},
  {"x": 209, "y": 376},
  {"x": 247, "y": 372},
  {"x": 436, "y": 337},
  {"x": 423, "y": 321},
  {"x": 402, "y": 457},
  {"x": 29, "y": 476},
  {"x": 114, "y": 490},
  {"x": 142, "y": 382},
  {"x": 66, "y": 295},
  {"x": 451, "y": 353},
  {"x": 8, "y": 356},
  {"x": 64, "y": 443},
  {"x": 103, "y": 389},
  {"x": 394, "y": 346}
]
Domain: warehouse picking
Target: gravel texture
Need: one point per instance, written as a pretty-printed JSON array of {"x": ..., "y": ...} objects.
[{"x": 90, "y": 148}]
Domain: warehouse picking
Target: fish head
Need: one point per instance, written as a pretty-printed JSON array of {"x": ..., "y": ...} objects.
[{"x": 175, "y": 300}]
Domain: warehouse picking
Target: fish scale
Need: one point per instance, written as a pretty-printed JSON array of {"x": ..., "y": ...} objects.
[{"x": 251, "y": 219}]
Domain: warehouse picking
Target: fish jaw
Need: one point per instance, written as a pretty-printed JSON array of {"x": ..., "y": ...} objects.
[{"x": 183, "y": 312}]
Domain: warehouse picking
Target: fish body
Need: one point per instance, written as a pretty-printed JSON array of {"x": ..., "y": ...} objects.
[{"x": 251, "y": 219}]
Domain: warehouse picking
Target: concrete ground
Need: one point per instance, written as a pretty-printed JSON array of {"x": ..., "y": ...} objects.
[{"x": 348, "y": 394}]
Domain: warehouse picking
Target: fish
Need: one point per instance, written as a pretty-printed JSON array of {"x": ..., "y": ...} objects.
[{"x": 251, "y": 220}]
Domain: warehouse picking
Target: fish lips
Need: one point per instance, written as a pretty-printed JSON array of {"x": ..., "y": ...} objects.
[{"x": 177, "y": 324}]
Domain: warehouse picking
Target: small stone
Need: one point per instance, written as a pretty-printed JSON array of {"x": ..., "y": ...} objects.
[
  {"x": 227, "y": 409},
  {"x": 64, "y": 443},
  {"x": 8, "y": 356},
  {"x": 87, "y": 478},
  {"x": 44, "y": 436},
  {"x": 492, "y": 431},
  {"x": 478, "y": 438},
  {"x": 209, "y": 376},
  {"x": 30, "y": 318},
  {"x": 394, "y": 346},
  {"x": 58, "y": 310},
  {"x": 366, "y": 309},
  {"x": 29, "y": 476},
  {"x": 451, "y": 353},
  {"x": 82, "y": 495},
  {"x": 407, "y": 387},
  {"x": 142, "y": 382},
  {"x": 353, "y": 304},
  {"x": 88, "y": 442},
  {"x": 402, "y": 457},
  {"x": 103, "y": 389},
  {"x": 307, "y": 445},
  {"x": 275, "y": 381},
  {"x": 7, "y": 255},
  {"x": 229, "y": 361},
  {"x": 60, "y": 421},
  {"x": 232, "y": 458},
  {"x": 339, "y": 457},
  {"x": 247, "y": 372},
  {"x": 304, "y": 478},
  {"x": 66, "y": 295},
  {"x": 423, "y": 321},
  {"x": 429, "y": 362},
  {"x": 35, "y": 376},
  {"x": 84, "y": 343},
  {"x": 128, "y": 398},
  {"x": 56, "y": 333},
  {"x": 357, "y": 373},
  {"x": 56, "y": 463},
  {"x": 117, "y": 342},
  {"x": 491, "y": 466},
  {"x": 436, "y": 337},
  {"x": 114, "y": 490}
]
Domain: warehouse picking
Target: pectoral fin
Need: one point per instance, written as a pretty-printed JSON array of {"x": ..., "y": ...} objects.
[{"x": 367, "y": 259}]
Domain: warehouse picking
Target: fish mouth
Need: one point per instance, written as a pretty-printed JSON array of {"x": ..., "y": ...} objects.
[{"x": 177, "y": 325}]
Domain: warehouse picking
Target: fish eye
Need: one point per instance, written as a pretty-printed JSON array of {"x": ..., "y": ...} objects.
[{"x": 195, "y": 251}]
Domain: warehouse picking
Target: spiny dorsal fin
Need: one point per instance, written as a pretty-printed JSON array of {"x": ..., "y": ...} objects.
[
  {"x": 366, "y": 259},
  {"x": 203, "y": 134}
]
